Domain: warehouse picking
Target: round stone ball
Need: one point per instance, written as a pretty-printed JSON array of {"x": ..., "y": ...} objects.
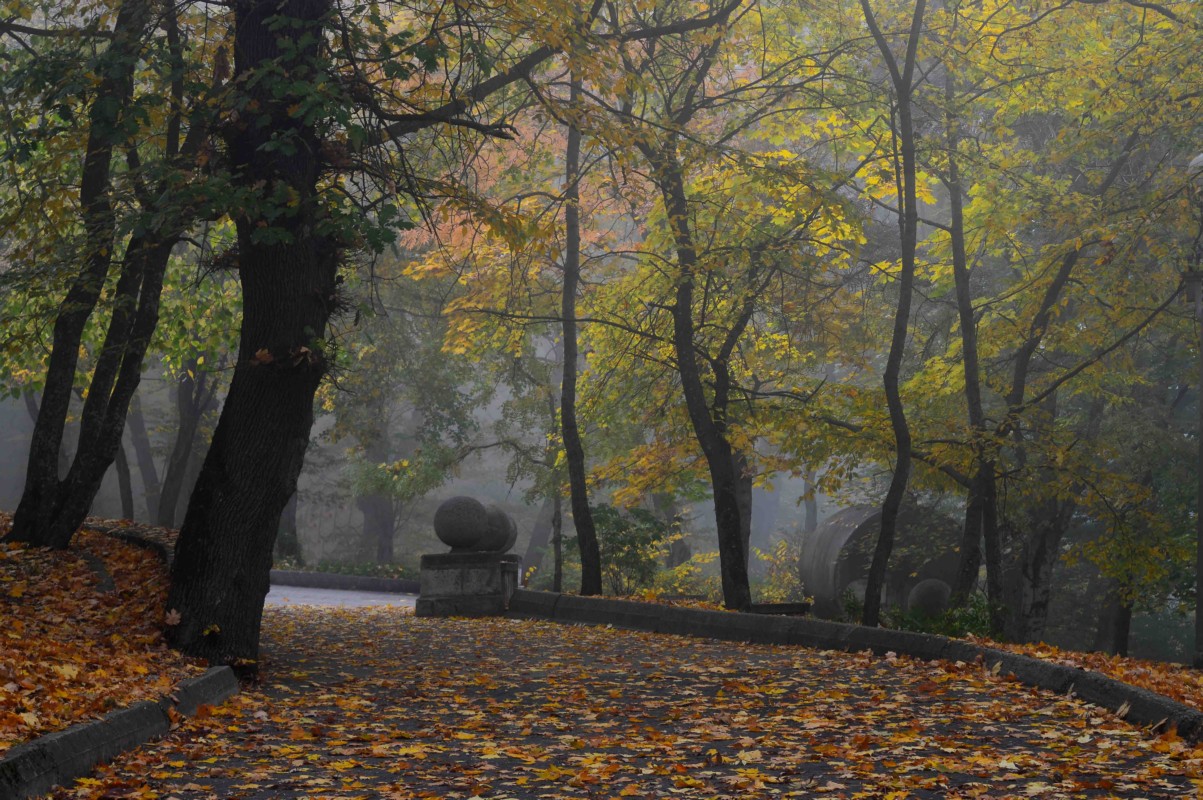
[
  {"x": 930, "y": 596},
  {"x": 501, "y": 532},
  {"x": 461, "y": 522}
]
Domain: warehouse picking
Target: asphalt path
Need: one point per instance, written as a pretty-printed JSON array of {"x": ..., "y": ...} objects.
[{"x": 304, "y": 596}]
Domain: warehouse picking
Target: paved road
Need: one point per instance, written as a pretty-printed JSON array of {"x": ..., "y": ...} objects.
[
  {"x": 372, "y": 704},
  {"x": 303, "y": 596}
]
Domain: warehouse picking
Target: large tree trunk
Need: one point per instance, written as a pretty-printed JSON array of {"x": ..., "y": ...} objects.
[
  {"x": 40, "y": 517},
  {"x": 574, "y": 450},
  {"x": 288, "y": 270},
  {"x": 908, "y": 224}
]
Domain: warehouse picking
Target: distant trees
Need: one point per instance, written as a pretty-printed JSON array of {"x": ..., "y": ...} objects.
[{"x": 693, "y": 205}]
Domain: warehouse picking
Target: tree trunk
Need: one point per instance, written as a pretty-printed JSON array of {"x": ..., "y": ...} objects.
[
  {"x": 744, "y": 497},
  {"x": 975, "y": 503},
  {"x": 125, "y": 485},
  {"x": 1030, "y": 584},
  {"x": 810, "y": 504},
  {"x": 540, "y": 536},
  {"x": 40, "y": 518},
  {"x": 574, "y": 451},
  {"x": 908, "y": 224},
  {"x": 190, "y": 394},
  {"x": 379, "y": 526},
  {"x": 288, "y": 541},
  {"x": 151, "y": 489},
  {"x": 288, "y": 270},
  {"x": 709, "y": 423},
  {"x": 1114, "y": 622},
  {"x": 557, "y": 540}
]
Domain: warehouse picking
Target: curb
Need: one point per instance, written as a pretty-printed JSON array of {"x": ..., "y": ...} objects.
[
  {"x": 334, "y": 580},
  {"x": 35, "y": 767},
  {"x": 1132, "y": 703}
]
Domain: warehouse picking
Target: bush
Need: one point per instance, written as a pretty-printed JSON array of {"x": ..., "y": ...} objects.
[
  {"x": 971, "y": 619},
  {"x": 632, "y": 543},
  {"x": 782, "y": 582},
  {"x": 692, "y": 578}
]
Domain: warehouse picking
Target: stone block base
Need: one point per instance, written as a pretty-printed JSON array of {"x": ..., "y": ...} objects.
[{"x": 466, "y": 584}]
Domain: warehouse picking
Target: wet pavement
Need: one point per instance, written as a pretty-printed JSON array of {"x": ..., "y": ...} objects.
[{"x": 337, "y": 598}]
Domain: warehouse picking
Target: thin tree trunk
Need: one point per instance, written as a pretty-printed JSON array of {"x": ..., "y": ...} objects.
[
  {"x": 908, "y": 224},
  {"x": 125, "y": 485},
  {"x": 709, "y": 423},
  {"x": 976, "y": 506},
  {"x": 289, "y": 281},
  {"x": 540, "y": 536},
  {"x": 151, "y": 488},
  {"x": 810, "y": 504},
  {"x": 190, "y": 391},
  {"x": 574, "y": 451},
  {"x": 288, "y": 542},
  {"x": 557, "y": 539}
]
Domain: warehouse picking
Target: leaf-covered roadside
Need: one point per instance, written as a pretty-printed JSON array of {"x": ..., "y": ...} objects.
[
  {"x": 374, "y": 704},
  {"x": 71, "y": 648},
  {"x": 1175, "y": 681}
]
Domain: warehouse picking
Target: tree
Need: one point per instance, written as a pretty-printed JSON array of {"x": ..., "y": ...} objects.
[
  {"x": 51, "y": 507},
  {"x": 902, "y": 80},
  {"x": 292, "y": 133}
]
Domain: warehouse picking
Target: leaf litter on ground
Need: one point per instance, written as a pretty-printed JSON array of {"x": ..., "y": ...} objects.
[
  {"x": 369, "y": 703},
  {"x": 74, "y": 646},
  {"x": 373, "y": 703}
]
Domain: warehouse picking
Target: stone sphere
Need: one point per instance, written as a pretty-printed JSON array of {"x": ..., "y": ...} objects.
[
  {"x": 461, "y": 522},
  {"x": 501, "y": 532},
  {"x": 930, "y": 596}
]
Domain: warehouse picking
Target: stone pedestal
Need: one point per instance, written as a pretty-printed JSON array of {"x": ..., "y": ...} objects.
[{"x": 470, "y": 584}]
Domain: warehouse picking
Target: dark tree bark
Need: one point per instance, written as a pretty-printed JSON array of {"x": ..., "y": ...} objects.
[
  {"x": 125, "y": 484},
  {"x": 151, "y": 488},
  {"x": 709, "y": 420},
  {"x": 810, "y": 504},
  {"x": 1114, "y": 622},
  {"x": 379, "y": 526},
  {"x": 981, "y": 515},
  {"x": 64, "y": 458},
  {"x": 51, "y": 509},
  {"x": 574, "y": 450},
  {"x": 557, "y": 541},
  {"x": 540, "y": 536},
  {"x": 41, "y": 518},
  {"x": 1028, "y": 578},
  {"x": 194, "y": 395},
  {"x": 288, "y": 270},
  {"x": 288, "y": 542},
  {"x": 903, "y": 82}
]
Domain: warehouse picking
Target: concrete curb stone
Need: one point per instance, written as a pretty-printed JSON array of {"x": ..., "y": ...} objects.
[
  {"x": 35, "y": 767},
  {"x": 1133, "y": 703}
]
